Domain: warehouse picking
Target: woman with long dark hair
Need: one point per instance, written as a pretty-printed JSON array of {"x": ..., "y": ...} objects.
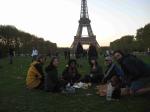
[
  {"x": 96, "y": 72},
  {"x": 52, "y": 82},
  {"x": 70, "y": 73}
]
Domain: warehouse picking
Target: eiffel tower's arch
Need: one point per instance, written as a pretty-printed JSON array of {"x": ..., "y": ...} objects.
[{"x": 84, "y": 22}]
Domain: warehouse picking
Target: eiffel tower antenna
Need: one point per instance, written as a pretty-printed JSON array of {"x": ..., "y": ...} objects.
[{"x": 84, "y": 22}]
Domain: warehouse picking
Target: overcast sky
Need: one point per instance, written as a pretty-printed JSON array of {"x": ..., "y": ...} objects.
[{"x": 57, "y": 20}]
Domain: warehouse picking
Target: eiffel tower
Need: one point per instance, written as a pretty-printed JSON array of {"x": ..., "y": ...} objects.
[{"x": 84, "y": 22}]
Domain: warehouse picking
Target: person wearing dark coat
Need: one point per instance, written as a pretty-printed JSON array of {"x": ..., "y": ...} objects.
[
  {"x": 52, "y": 81},
  {"x": 70, "y": 73},
  {"x": 136, "y": 71},
  {"x": 96, "y": 72}
]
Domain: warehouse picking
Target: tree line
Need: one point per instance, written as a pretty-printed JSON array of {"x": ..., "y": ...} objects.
[
  {"x": 22, "y": 42},
  {"x": 129, "y": 43}
]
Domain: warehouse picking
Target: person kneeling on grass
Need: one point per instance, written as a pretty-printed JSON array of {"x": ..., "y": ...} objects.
[
  {"x": 35, "y": 75},
  {"x": 52, "y": 82}
]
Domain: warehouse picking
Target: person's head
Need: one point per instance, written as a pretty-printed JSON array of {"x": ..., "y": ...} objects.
[
  {"x": 54, "y": 62},
  {"x": 108, "y": 60},
  {"x": 118, "y": 55},
  {"x": 72, "y": 63},
  {"x": 41, "y": 59}
]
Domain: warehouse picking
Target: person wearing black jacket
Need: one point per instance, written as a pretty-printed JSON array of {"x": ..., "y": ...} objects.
[
  {"x": 135, "y": 71},
  {"x": 96, "y": 73},
  {"x": 52, "y": 81},
  {"x": 70, "y": 73}
]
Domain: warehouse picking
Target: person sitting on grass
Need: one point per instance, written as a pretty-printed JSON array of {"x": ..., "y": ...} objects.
[
  {"x": 52, "y": 81},
  {"x": 70, "y": 73},
  {"x": 35, "y": 75},
  {"x": 96, "y": 72},
  {"x": 111, "y": 70},
  {"x": 136, "y": 72},
  {"x": 115, "y": 76}
]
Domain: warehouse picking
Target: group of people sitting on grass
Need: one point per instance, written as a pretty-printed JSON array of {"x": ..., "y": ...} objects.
[{"x": 122, "y": 71}]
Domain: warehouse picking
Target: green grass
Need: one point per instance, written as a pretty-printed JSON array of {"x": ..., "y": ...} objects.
[{"x": 14, "y": 97}]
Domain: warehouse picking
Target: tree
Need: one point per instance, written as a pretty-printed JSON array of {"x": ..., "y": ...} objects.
[
  {"x": 22, "y": 42},
  {"x": 125, "y": 43},
  {"x": 143, "y": 37}
]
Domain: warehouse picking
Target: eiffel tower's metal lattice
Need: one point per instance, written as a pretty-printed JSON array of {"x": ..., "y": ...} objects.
[{"x": 84, "y": 22}]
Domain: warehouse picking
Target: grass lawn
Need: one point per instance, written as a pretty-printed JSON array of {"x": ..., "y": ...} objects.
[{"x": 14, "y": 97}]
